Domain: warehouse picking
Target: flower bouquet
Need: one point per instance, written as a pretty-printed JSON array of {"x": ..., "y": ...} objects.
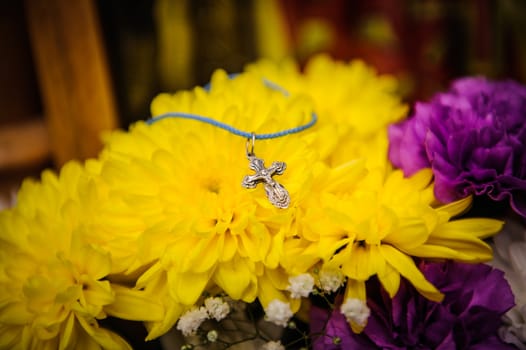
[{"x": 365, "y": 232}]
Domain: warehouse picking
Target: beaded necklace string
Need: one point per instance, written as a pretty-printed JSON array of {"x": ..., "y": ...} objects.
[{"x": 231, "y": 129}]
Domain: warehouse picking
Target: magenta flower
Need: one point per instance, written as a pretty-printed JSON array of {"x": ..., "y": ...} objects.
[
  {"x": 476, "y": 297},
  {"x": 474, "y": 139}
]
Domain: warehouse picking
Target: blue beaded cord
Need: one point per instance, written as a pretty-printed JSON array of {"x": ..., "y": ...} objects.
[
  {"x": 229, "y": 128},
  {"x": 235, "y": 131}
]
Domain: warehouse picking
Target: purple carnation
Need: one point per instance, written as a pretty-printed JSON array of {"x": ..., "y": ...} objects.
[
  {"x": 476, "y": 297},
  {"x": 474, "y": 139}
]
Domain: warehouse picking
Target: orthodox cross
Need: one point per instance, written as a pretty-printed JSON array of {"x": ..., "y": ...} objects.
[{"x": 276, "y": 193}]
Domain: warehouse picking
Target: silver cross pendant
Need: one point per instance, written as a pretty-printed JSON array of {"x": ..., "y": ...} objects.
[{"x": 276, "y": 193}]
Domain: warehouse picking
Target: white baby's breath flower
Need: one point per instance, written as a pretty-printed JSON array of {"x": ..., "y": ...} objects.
[
  {"x": 331, "y": 280},
  {"x": 300, "y": 285},
  {"x": 212, "y": 336},
  {"x": 278, "y": 312},
  {"x": 191, "y": 320},
  {"x": 355, "y": 310},
  {"x": 273, "y": 345},
  {"x": 217, "y": 308}
]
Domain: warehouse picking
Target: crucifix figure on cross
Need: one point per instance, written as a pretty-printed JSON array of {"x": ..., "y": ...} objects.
[{"x": 276, "y": 193}]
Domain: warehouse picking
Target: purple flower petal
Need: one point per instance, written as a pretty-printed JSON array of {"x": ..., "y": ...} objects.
[
  {"x": 476, "y": 297},
  {"x": 472, "y": 136}
]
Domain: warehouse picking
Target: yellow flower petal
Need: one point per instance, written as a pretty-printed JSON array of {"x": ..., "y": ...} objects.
[
  {"x": 173, "y": 312},
  {"x": 411, "y": 233},
  {"x": 10, "y": 337},
  {"x": 255, "y": 243},
  {"x": 363, "y": 262},
  {"x": 390, "y": 280},
  {"x": 229, "y": 247},
  {"x": 328, "y": 245},
  {"x": 278, "y": 278},
  {"x": 135, "y": 305},
  {"x": 477, "y": 227},
  {"x": 455, "y": 208},
  {"x": 67, "y": 336},
  {"x": 103, "y": 337},
  {"x": 235, "y": 277},
  {"x": 95, "y": 261},
  {"x": 443, "y": 252},
  {"x": 275, "y": 251},
  {"x": 355, "y": 289},
  {"x": 201, "y": 257},
  {"x": 187, "y": 287},
  {"x": 300, "y": 256},
  {"x": 14, "y": 312},
  {"x": 471, "y": 248},
  {"x": 344, "y": 177},
  {"x": 150, "y": 276},
  {"x": 396, "y": 182},
  {"x": 407, "y": 268}
]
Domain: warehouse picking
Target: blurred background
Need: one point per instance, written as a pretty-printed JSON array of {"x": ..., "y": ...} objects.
[{"x": 70, "y": 70}]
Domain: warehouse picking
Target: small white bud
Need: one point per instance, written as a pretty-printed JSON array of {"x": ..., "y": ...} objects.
[
  {"x": 217, "y": 308},
  {"x": 300, "y": 285},
  {"x": 278, "y": 312},
  {"x": 212, "y": 336},
  {"x": 273, "y": 345},
  {"x": 331, "y": 280},
  {"x": 355, "y": 310},
  {"x": 192, "y": 320}
]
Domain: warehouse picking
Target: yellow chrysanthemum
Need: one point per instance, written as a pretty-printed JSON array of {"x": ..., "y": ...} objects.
[
  {"x": 350, "y": 98},
  {"x": 179, "y": 183},
  {"x": 54, "y": 283},
  {"x": 349, "y": 94},
  {"x": 367, "y": 222}
]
